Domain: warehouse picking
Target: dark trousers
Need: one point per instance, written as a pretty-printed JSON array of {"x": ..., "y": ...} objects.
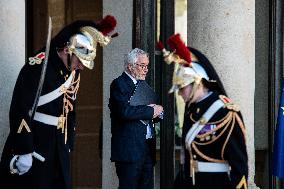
[
  {"x": 29, "y": 181},
  {"x": 136, "y": 175}
]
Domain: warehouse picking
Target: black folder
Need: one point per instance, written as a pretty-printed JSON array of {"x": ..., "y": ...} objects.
[{"x": 143, "y": 95}]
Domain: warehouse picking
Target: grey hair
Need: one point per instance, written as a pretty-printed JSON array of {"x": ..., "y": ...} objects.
[{"x": 132, "y": 56}]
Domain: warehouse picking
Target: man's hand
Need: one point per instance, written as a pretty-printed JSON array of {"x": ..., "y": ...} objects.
[
  {"x": 158, "y": 110},
  {"x": 24, "y": 163}
]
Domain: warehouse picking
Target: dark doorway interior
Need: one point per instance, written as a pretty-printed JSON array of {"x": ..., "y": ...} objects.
[{"x": 86, "y": 159}]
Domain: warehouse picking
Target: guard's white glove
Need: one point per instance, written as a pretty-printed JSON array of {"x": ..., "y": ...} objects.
[{"x": 24, "y": 163}]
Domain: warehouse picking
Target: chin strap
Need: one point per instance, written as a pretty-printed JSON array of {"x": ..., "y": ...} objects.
[
  {"x": 69, "y": 62},
  {"x": 193, "y": 91}
]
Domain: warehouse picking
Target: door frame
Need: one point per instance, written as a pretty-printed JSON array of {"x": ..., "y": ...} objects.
[
  {"x": 275, "y": 76},
  {"x": 160, "y": 74}
]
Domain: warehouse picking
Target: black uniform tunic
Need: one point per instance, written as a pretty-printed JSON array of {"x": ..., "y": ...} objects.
[
  {"x": 225, "y": 144},
  {"x": 44, "y": 139}
]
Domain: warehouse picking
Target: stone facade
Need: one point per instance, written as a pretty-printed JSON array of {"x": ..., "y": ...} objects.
[
  {"x": 12, "y": 57},
  {"x": 225, "y": 32}
]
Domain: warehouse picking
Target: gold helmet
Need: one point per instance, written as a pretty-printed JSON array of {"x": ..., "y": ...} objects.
[
  {"x": 184, "y": 76},
  {"x": 81, "y": 38},
  {"x": 187, "y": 70},
  {"x": 187, "y": 67},
  {"x": 191, "y": 67},
  {"x": 84, "y": 45}
]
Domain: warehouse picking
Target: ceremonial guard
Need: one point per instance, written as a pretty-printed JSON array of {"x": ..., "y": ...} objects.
[
  {"x": 215, "y": 155},
  {"x": 42, "y": 113}
]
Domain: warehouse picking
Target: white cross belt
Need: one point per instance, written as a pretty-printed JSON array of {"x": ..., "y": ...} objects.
[
  {"x": 212, "y": 167},
  {"x": 46, "y": 119},
  {"x": 44, "y": 99}
]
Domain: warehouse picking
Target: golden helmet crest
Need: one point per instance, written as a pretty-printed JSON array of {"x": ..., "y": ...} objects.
[
  {"x": 84, "y": 45},
  {"x": 184, "y": 76}
]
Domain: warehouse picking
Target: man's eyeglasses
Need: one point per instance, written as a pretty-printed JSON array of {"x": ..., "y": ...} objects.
[{"x": 142, "y": 66}]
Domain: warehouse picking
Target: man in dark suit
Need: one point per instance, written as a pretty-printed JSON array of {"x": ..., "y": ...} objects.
[{"x": 132, "y": 143}]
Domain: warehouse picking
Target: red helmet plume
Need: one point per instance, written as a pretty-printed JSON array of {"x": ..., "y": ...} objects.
[
  {"x": 179, "y": 47},
  {"x": 160, "y": 45},
  {"x": 107, "y": 24}
]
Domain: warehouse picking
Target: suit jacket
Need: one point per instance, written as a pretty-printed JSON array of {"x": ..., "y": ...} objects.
[{"x": 128, "y": 140}]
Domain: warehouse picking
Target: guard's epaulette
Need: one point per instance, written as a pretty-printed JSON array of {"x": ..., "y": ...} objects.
[
  {"x": 37, "y": 59},
  {"x": 229, "y": 104}
]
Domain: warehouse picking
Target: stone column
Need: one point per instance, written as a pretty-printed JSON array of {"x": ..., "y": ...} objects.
[
  {"x": 12, "y": 57},
  {"x": 113, "y": 66},
  {"x": 225, "y": 32}
]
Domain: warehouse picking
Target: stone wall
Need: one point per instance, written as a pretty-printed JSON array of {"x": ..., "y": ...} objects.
[
  {"x": 225, "y": 32},
  {"x": 113, "y": 64},
  {"x": 12, "y": 57}
]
